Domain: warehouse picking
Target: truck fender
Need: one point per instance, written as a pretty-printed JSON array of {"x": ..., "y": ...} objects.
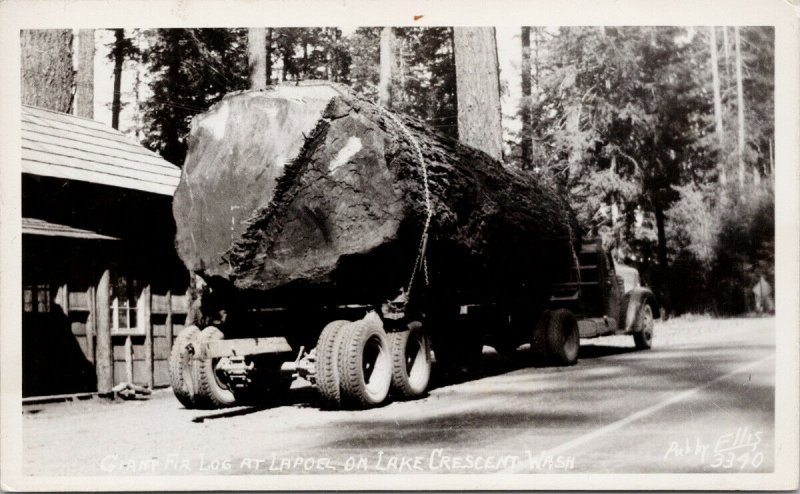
[{"x": 632, "y": 303}]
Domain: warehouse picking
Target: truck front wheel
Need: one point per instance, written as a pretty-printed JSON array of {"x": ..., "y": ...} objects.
[
  {"x": 411, "y": 361},
  {"x": 643, "y": 337}
]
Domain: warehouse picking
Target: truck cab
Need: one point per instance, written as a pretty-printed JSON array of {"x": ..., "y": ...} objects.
[{"x": 606, "y": 297}]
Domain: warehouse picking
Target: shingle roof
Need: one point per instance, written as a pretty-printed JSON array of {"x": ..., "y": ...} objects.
[
  {"x": 65, "y": 146},
  {"x": 34, "y": 226}
]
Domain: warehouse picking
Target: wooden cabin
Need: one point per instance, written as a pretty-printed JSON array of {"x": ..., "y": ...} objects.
[{"x": 103, "y": 291}]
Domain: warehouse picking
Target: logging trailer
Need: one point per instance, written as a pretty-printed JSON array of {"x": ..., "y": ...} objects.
[{"x": 246, "y": 346}]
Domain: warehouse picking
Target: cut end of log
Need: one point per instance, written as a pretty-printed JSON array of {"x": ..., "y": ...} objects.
[{"x": 237, "y": 150}]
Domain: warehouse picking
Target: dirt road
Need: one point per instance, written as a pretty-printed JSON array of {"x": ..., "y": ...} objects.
[{"x": 701, "y": 401}]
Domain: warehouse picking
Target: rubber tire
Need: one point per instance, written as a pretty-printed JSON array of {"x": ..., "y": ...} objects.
[
  {"x": 181, "y": 377},
  {"x": 328, "y": 345},
  {"x": 563, "y": 338},
  {"x": 539, "y": 351},
  {"x": 405, "y": 385},
  {"x": 356, "y": 391},
  {"x": 643, "y": 337},
  {"x": 210, "y": 392}
]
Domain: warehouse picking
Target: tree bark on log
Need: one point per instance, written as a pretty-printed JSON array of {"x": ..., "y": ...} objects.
[{"x": 345, "y": 222}]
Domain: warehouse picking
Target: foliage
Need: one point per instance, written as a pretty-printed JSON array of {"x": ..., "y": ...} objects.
[
  {"x": 123, "y": 47},
  {"x": 365, "y": 55},
  {"x": 693, "y": 224},
  {"x": 622, "y": 120},
  {"x": 192, "y": 69},
  {"x": 745, "y": 247},
  {"x": 311, "y": 53},
  {"x": 625, "y": 120},
  {"x": 426, "y": 85}
]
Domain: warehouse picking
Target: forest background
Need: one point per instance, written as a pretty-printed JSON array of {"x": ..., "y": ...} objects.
[{"x": 662, "y": 137}]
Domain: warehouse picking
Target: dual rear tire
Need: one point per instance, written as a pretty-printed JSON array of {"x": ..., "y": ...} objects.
[
  {"x": 358, "y": 363},
  {"x": 194, "y": 378},
  {"x": 180, "y": 366},
  {"x": 198, "y": 385}
]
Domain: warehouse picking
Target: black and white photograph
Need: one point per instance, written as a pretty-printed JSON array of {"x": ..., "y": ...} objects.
[{"x": 326, "y": 245}]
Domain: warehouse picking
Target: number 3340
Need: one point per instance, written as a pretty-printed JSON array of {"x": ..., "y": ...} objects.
[{"x": 731, "y": 460}]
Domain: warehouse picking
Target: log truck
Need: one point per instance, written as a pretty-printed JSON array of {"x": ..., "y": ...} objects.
[{"x": 333, "y": 241}]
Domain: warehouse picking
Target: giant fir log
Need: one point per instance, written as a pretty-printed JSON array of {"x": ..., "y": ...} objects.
[{"x": 344, "y": 220}]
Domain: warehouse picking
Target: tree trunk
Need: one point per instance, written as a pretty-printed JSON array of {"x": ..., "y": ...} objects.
[
  {"x": 332, "y": 51},
  {"x": 345, "y": 222},
  {"x": 305, "y": 60},
  {"x": 257, "y": 57},
  {"x": 287, "y": 60},
  {"x": 104, "y": 361},
  {"x": 119, "y": 58},
  {"x": 478, "y": 89},
  {"x": 526, "y": 143},
  {"x": 269, "y": 56},
  {"x": 727, "y": 50},
  {"x": 47, "y": 72},
  {"x": 661, "y": 252},
  {"x": 84, "y": 92},
  {"x": 137, "y": 90},
  {"x": 718, "y": 108},
  {"x": 740, "y": 107},
  {"x": 537, "y": 41},
  {"x": 387, "y": 67},
  {"x": 173, "y": 148},
  {"x": 771, "y": 159}
]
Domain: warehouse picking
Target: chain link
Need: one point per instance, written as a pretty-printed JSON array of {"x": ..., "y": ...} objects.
[{"x": 421, "y": 260}]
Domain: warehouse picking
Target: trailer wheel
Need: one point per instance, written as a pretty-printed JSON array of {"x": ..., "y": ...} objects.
[
  {"x": 180, "y": 366},
  {"x": 211, "y": 391},
  {"x": 539, "y": 351},
  {"x": 328, "y": 362},
  {"x": 411, "y": 361},
  {"x": 365, "y": 364},
  {"x": 563, "y": 339},
  {"x": 643, "y": 337}
]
